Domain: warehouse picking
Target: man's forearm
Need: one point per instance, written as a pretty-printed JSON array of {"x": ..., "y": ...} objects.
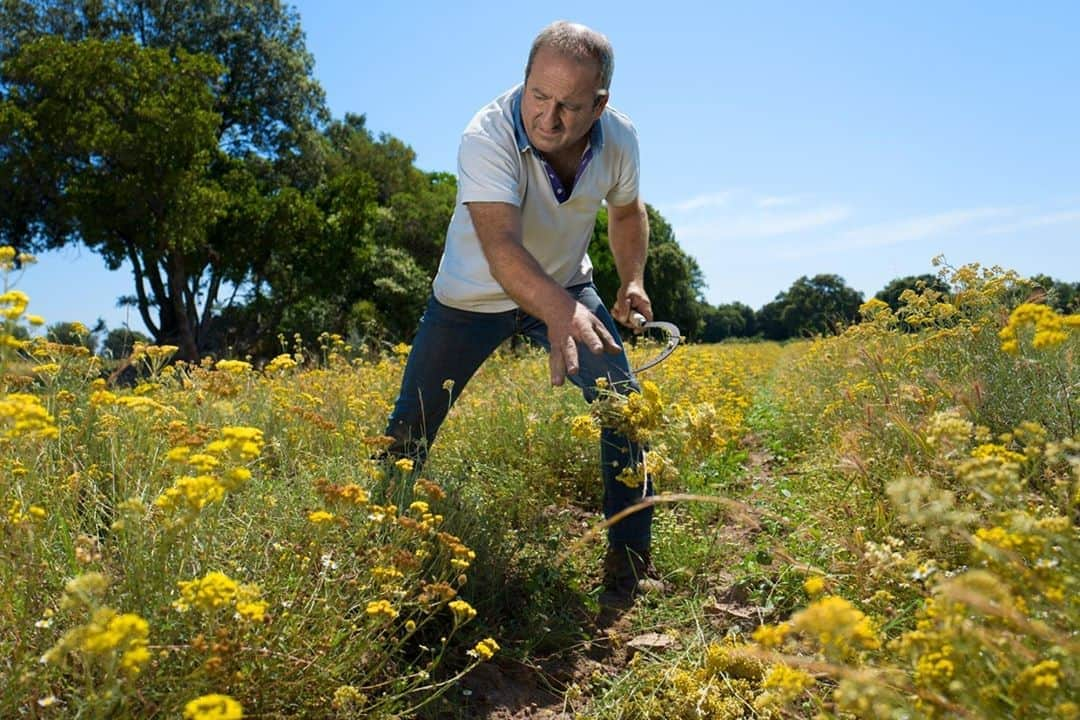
[
  {"x": 521, "y": 276},
  {"x": 628, "y": 235}
]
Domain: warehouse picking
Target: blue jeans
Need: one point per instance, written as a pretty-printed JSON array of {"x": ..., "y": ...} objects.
[{"x": 451, "y": 345}]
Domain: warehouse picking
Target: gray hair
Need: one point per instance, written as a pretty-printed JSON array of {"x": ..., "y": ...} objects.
[{"x": 580, "y": 43}]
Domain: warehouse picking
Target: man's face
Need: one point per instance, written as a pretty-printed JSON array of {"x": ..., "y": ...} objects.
[{"x": 559, "y": 103}]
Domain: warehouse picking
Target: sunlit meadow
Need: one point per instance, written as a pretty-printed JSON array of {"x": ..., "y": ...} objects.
[{"x": 880, "y": 524}]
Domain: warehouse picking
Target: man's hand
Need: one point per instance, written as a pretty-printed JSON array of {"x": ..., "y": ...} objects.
[
  {"x": 631, "y": 298},
  {"x": 565, "y": 330}
]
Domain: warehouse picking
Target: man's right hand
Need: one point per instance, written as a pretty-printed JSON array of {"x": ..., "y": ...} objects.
[{"x": 565, "y": 331}]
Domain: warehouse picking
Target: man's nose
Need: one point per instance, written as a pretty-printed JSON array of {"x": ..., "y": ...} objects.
[{"x": 550, "y": 117}]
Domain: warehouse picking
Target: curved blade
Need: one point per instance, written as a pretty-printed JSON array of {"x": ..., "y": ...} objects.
[{"x": 674, "y": 337}]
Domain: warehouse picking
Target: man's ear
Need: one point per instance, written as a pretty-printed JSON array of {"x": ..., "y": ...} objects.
[{"x": 599, "y": 104}]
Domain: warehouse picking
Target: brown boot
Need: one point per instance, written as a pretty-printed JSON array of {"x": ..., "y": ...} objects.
[{"x": 627, "y": 574}]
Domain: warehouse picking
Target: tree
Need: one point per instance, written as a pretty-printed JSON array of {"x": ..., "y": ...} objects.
[
  {"x": 728, "y": 321},
  {"x": 75, "y": 333},
  {"x": 123, "y": 136},
  {"x": 1058, "y": 294},
  {"x": 136, "y": 62},
  {"x": 673, "y": 279},
  {"x": 811, "y": 306},
  {"x": 119, "y": 342},
  {"x": 264, "y": 92},
  {"x": 373, "y": 218},
  {"x": 891, "y": 293}
]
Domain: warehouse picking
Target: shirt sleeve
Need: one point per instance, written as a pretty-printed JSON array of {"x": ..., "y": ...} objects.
[
  {"x": 487, "y": 172},
  {"x": 626, "y": 189}
]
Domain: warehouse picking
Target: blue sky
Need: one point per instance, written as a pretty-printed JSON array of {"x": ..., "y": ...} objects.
[{"x": 779, "y": 139}]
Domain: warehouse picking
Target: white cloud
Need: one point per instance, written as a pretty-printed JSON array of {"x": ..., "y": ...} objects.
[
  {"x": 707, "y": 200},
  {"x": 1038, "y": 221},
  {"x": 895, "y": 232},
  {"x": 762, "y": 225},
  {"x": 779, "y": 201}
]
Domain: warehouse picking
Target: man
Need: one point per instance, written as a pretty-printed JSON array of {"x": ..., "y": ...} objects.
[{"x": 533, "y": 168}]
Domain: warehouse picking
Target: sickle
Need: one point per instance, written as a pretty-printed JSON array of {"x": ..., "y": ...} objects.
[{"x": 669, "y": 329}]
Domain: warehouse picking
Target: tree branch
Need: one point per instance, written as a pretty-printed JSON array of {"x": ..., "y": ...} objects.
[{"x": 140, "y": 290}]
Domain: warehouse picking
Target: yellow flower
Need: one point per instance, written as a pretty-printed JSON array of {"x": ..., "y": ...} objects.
[
  {"x": 383, "y": 608},
  {"x": 348, "y": 698},
  {"x": 320, "y": 517},
  {"x": 837, "y": 625},
  {"x": 584, "y": 427},
  {"x": 23, "y": 415},
  {"x": 189, "y": 495},
  {"x": 405, "y": 465},
  {"x": 213, "y": 707},
  {"x": 235, "y": 367},
  {"x": 385, "y": 574},
  {"x": 485, "y": 649},
  {"x": 814, "y": 585},
  {"x": 214, "y": 590},
  {"x": 280, "y": 364},
  {"x": 109, "y": 631},
  {"x": 771, "y": 635},
  {"x": 463, "y": 611},
  {"x": 254, "y": 610}
]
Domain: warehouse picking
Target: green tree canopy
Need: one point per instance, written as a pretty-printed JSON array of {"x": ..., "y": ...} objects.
[
  {"x": 123, "y": 137},
  {"x": 1061, "y": 295},
  {"x": 77, "y": 334},
  {"x": 891, "y": 293},
  {"x": 119, "y": 342},
  {"x": 728, "y": 321},
  {"x": 124, "y": 124},
  {"x": 673, "y": 279},
  {"x": 819, "y": 305}
]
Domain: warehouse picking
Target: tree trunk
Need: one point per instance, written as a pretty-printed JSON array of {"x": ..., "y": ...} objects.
[{"x": 185, "y": 336}]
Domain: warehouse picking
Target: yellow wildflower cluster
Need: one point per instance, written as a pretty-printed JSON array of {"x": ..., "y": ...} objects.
[
  {"x": 9, "y": 256},
  {"x": 485, "y": 649},
  {"x": 637, "y": 415},
  {"x": 838, "y": 627},
  {"x": 215, "y": 591},
  {"x": 154, "y": 357},
  {"x": 138, "y": 403},
  {"x": 189, "y": 494},
  {"x": 213, "y": 707},
  {"x": 280, "y": 364},
  {"x": 24, "y": 416},
  {"x": 463, "y": 611},
  {"x": 1051, "y": 328},
  {"x": 782, "y": 685},
  {"x": 16, "y": 514},
  {"x": 721, "y": 684},
  {"x": 109, "y": 639},
  {"x": 13, "y": 304},
  {"x": 461, "y": 556},
  {"x": 233, "y": 367},
  {"x": 321, "y": 517},
  {"x": 381, "y": 609},
  {"x": 584, "y": 427},
  {"x": 348, "y": 699}
]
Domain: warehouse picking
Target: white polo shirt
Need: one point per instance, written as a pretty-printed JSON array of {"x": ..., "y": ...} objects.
[{"x": 496, "y": 163}]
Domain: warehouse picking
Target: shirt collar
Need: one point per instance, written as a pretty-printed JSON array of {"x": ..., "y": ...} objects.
[{"x": 596, "y": 133}]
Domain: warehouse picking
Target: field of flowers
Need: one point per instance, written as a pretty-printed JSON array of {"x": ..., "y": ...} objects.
[{"x": 885, "y": 527}]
